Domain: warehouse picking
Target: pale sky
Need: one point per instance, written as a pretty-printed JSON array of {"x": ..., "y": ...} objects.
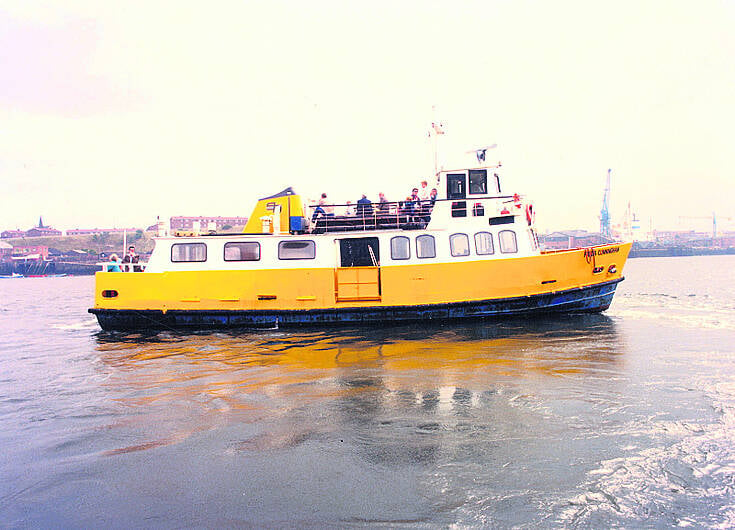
[{"x": 112, "y": 113}]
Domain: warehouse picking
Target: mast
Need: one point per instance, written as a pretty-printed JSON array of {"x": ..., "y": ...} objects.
[{"x": 436, "y": 129}]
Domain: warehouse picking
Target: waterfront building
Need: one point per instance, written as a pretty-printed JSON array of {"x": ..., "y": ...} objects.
[
  {"x": 30, "y": 252},
  {"x": 6, "y": 251},
  {"x": 43, "y": 231},
  {"x": 187, "y": 223},
  {"x": 570, "y": 239},
  {"x": 93, "y": 231},
  {"x": 11, "y": 234}
]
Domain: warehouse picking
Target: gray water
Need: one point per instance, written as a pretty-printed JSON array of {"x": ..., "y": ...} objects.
[{"x": 621, "y": 419}]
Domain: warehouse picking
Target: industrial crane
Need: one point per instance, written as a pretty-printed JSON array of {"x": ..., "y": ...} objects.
[
  {"x": 714, "y": 221},
  {"x": 605, "y": 211}
]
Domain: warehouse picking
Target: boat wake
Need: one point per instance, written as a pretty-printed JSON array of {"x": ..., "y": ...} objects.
[
  {"x": 695, "y": 311},
  {"x": 690, "y": 482},
  {"x": 77, "y": 326}
]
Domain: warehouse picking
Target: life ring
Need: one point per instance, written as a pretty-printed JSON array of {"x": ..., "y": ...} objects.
[{"x": 529, "y": 214}]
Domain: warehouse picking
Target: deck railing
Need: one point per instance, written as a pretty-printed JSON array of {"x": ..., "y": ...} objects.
[
  {"x": 124, "y": 267},
  {"x": 376, "y": 216},
  {"x": 401, "y": 214}
]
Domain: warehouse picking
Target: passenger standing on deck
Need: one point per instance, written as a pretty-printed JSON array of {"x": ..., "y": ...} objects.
[
  {"x": 424, "y": 191},
  {"x": 131, "y": 257},
  {"x": 364, "y": 207},
  {"x": 415, "y": 199},
  {"x": 349, "y": 209},
  {"x": 113, "y": 266},
  {"x": 408, "y": 208},
  {"x": 322, "y": 210},
  {"x": 383, "y": 206},
  {"x": 428, "y": 206}
]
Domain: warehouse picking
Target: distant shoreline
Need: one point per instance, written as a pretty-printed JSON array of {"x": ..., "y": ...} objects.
[{"x": 671, "y": 252}]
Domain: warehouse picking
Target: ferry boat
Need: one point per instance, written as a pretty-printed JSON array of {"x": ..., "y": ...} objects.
[{"x": 471, "y": 252}]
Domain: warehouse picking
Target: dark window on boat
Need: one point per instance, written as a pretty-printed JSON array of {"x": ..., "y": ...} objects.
[
  {"x": 456, "y": 186},
  {"x": 508, "y": 242},
  {"x": 459, "y": 209},
  {"x": 359, "y": 252},
  {"x": 245, "y": 251},
  {"x": 303, "y": 249},
  {"x": 459, "y": 245},
  {"x": 484, "y": 244},
  {"x": 188, "y": 252},
  {"x": 425, "y": 247},
  {"x": 505, "y": 220},
  {"x": 478, "y": 181},
  {"x": 497, "y": 182},
  {"x": 400, "y": 248}
]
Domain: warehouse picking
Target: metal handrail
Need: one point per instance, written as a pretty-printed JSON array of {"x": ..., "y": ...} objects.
[{"x": 123, "y": 266}]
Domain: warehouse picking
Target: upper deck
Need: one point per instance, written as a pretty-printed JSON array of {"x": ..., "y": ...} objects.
[{"x": 458, "y": 198}]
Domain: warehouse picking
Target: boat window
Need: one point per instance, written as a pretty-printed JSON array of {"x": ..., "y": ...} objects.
[
  {"x": 185, "y": 252},
  {"x": 400, "y": 248},
  {"x": 303, "y": 249},
  {"x": 459, "y": 209},
  {"x": 484, "y": 244},
  {"x": 425, "y": 247},
  {"x": 459, "y": 245},
  {"x": 504, "y": 220},
  {"x": 478, "y": 181},
  {"x": 246, "y": 251},
  {"x": 456, "y": 186},
  {"x": 508, "y": 242}
]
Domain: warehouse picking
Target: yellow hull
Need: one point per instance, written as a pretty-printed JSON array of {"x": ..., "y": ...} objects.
[{"x": 336, "y": 289}]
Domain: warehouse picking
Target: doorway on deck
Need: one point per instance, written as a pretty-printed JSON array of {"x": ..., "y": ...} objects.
[{"x": 357, "y": 278}]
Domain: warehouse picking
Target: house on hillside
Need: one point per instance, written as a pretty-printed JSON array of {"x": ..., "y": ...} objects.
[
  {"x": 12, "y": 234},
  {"x": 43, "y": 231}
]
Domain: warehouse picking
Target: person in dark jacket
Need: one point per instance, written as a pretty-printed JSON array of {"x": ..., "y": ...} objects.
[
  {"x": 131, "y": 257},
  {"x": 364, "y": 207}
]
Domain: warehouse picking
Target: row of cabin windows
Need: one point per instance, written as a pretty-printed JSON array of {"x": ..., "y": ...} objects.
[
  {"x": 400, "y": 248},
  {"x": 478, "y": 183},
  {"x": 245, "y": 251},
  {"x": 459, "y": 245}
]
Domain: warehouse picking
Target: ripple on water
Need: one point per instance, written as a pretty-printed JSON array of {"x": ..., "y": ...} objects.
[{"x": 690, "y": 482}]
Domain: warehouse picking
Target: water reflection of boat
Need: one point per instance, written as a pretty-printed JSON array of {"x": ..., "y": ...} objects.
[
  {"x": 365, "y": 384},
  {"x": 470, "y": 252},
  {"x": 518, "y": 345}
]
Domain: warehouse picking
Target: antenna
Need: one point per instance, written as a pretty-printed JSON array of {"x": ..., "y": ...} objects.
[
  {"x": 480, "y": 152},
  {"x": 436, "y": 129}
]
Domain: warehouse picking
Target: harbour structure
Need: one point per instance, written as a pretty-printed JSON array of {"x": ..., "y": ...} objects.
[
  {"x": 605, "y": 231},
  {"x": 471, "y": 251}
]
